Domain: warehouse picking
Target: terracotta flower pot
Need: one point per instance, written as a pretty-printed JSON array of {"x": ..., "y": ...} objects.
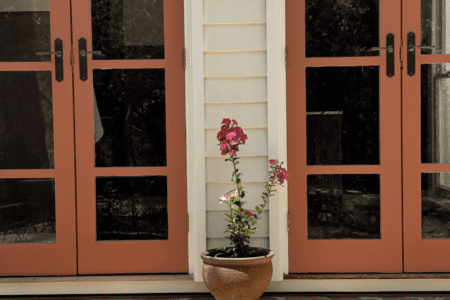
[{"x": 237, "y": 278}]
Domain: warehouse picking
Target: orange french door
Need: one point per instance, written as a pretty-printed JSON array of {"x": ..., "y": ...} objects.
[
  {"x": 344, "y": 136},
  {"x": 92, "y": 138},
  {"x": 370, "y": 157},
  {"x": 37, "y": 170},
  {"x": 130, "y": 139},
  {"x": 426, "y": 147}
]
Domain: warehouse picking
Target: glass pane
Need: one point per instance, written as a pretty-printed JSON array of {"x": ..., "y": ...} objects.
[
  {"x": 435, "y": 205},
  {"x": 434, "y": 15},
  {"x": 27, "y": 211},
  {"x": 26, "y": 120},
  {"x": 25, "y": 30},
  {"x": 132, "y": 208},
  {"x": 342, "y": 105},
  {"x": 341, "y": 28},
  {"x": 128, "y": 29},
  {"x": 344, "y": 207},
  {"x": 131, "y": 106},
  {"x": 435, "y": 113}
]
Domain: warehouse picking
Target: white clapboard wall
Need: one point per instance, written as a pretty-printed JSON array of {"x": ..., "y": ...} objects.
[{"x": 235, "y": 59}]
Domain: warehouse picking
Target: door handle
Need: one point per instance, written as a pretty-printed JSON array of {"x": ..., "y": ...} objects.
[
  {"x": 59, "y": 66},
  {"x": 83, "y": 58},
  {"x": 390, "y": 62},
  {"x": 411, "y": 44}
]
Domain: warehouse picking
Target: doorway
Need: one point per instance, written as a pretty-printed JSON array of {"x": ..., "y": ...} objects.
[
  {"x": 369, "y": 157},
  {"x": 93, "y": 171}
]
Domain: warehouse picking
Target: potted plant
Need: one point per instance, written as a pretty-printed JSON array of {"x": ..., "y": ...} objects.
[{"x": 240, "y": 271}]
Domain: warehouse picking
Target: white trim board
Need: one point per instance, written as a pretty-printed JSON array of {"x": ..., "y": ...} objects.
[
  {"x": 182, "y": 284},
  {"x": 195, "y": 135},
  {"x": 277, "y": 132}
]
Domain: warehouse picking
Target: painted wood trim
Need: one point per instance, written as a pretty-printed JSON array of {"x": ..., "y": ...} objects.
[
  {"x": 195, "y": 136},
  {"x": 182, "y": 284},
  {"x": 277, "y": 131}
]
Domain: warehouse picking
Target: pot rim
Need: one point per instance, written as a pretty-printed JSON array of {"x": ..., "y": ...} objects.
[{"x": 223, "y": 261}]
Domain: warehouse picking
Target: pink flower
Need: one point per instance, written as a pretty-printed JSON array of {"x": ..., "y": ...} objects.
[
  {"x": 272, "y": 161},
  {"x": 232, "y": 152},
  {"x": 234, "y": 122},
  {"x": 248, "y": 214},
  {"x": 234, "y": 193},
  {"x": 231, "y": 136}
]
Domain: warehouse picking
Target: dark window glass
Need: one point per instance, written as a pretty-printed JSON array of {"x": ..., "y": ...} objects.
[
  {"x": 26, "y": 120},
  {"x": 342, "y": 105},
  {"x": 344, "y": 206},
  {"x": 131, "y": 106},
  {"x": 128, "y": 29},
  {"x": 27, "y": 211},
  {"x": 337, "y": 28},
  {"x": 132, "y": 208}
]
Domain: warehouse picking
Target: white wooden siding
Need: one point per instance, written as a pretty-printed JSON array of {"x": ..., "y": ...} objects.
[
  {"x": 222, "y": 11},
  {"x": 235, "y": 74},
  {"x": 234, "y": 37},
  {"x": 236, "y": 90}
]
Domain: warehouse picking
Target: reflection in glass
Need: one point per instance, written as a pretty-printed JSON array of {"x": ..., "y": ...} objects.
[
  {"x": 435, "y": 113},
  {"x": 434, "y": 25},
  {"x": 131, "y": 105},
  {"x": 25, "y": 30},
  {"x": 435, "y": 205},
  {"x": 341, "y": 28},
  {"x": 132, "y": 208},
  {"x": 27, "y": 211},
  {"x": 26, "y": 120},
  {"x": 342, "y": 106},
  {"x": 344, "y": 206},
  {"x": 128, "y": 29}
]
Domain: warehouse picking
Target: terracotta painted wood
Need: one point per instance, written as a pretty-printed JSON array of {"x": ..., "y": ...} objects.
[
  {"x": 114, "y": 257},
  {"x": 53, "y": 258},
  {"x": 420, "y": 255},
  {"x": 344, "y": 256}
]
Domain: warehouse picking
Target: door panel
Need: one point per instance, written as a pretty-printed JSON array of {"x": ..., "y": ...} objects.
[
  {"x": 345, "y": 153},
  {"x": 131, "y": 178},
  {"x": 37, "y": 198},
  {"x": 425, "y": 143}
]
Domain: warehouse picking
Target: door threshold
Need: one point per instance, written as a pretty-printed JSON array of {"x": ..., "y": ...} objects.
[
  {"x": 185, "y": 284},
  {"x": 368, "y": 276}
]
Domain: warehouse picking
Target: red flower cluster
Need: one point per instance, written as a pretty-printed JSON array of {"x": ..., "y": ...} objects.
[
  {"x": 230, "y": 137},
  {"x": 281, "y": 174}
]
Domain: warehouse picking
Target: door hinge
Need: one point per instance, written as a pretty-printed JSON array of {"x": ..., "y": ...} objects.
[
  {"x": 286, "y": 56},
  {"x": 288, "y": 221},
  {"x": 184, "y": 58},
  {"x": 187, "y": 222}
]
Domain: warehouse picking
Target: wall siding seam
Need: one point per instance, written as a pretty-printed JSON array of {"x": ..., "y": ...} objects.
[
  {"x": 232, "y": 51},
  {"x": 234, "y": 24},
  {"x": 233, "y": 103},
  {"x": 234, "y": 77},
  {"x": 243, "y": 128}
]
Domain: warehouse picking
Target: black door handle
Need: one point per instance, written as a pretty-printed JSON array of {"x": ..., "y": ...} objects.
[
  {"x": 412, "y": 52},
  {"x": 59, "y": 59},
  {"x": 390, "y": 63},
  {"x": 83, "y": 58}
]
